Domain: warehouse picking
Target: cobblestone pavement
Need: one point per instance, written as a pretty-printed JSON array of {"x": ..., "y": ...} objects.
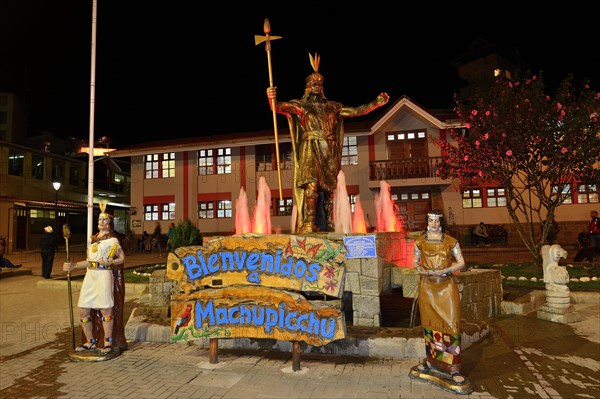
[{"x": 524, "y": 357}]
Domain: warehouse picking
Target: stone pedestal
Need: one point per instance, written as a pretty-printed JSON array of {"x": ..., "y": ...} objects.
[{"x": 558, "y": 308}]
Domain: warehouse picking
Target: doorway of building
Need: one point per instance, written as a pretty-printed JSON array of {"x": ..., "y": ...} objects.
[{"x": 414, "y": 214}]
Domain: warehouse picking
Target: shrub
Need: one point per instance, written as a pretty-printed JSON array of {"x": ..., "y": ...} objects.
[{"x": 185, "y": 234}]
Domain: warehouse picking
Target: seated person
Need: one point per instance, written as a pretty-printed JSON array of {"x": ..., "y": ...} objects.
[
  {"x": 5, "y": 263},
  {"x": 481, "y": 232}
]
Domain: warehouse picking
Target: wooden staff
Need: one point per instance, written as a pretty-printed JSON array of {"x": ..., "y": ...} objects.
[
  {"x": 267, "y": 39},
  {"x": 67, "y": 235}
]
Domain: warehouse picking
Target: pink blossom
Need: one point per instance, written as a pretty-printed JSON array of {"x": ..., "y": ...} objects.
[
  {"x": 474, "y": 112},
  {"x": 468, "y": 125},
  {"x": 466, "y": 158},
  {"x": 477, "y": 143},
  {"x": 509, "y": 153},
  {"x": 487, "y": 113},
  {"x": 510, "y": 85},
  {"x": 586, "y": 86},
  {"x": 547, "y": 98},
  {"x": 517, "y": 83},
  {"x": 558, "y": 105},
  {"x": 480, "y": 173},
  {"x": 597, "y": 95},
  {"x": 563, "y": 150},
  {"x": 486, "y": 136},
  {"x": 562, "y": 112},
  {"x": 528, "y": 81},
  {"x": 534, "y": 77}
]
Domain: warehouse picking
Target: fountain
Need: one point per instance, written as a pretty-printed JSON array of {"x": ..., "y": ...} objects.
[{"x": 346, "y": 222}]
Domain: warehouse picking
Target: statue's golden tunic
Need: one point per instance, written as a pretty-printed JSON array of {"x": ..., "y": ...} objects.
[{"x": 439, "y": 304}]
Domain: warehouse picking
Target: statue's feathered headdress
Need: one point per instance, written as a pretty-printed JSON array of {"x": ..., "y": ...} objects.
[
  {"x": 102, "y": 204},
  {"x": 314, "y": 62}
]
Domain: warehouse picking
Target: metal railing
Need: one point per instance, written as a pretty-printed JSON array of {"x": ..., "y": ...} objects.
[{"x": 404, "y": 168}]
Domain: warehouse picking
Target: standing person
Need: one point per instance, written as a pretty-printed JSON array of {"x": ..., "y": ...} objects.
[
  {"x": 170, "y": 235},
  {"x": 47, "y": 249},
  {"x": 156, "y": 238},
  {"x": 102, "y": 293},
  {"x": 437, "y": 256},
  {"x": 317, "y": 133},
  {"x": 481, "y": 232},
  {"x": 144, "y": 240},
  {"x": 594, "y": 229}
]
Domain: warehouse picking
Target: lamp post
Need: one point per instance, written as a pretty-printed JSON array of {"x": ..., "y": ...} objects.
[{"x": 56, "y": 186}]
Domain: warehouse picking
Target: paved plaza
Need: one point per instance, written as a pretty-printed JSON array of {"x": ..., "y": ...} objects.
[{"x": 523, "y": 357}]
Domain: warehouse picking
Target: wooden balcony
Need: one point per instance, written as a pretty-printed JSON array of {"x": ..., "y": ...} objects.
[{"x": 404, "y": 168}]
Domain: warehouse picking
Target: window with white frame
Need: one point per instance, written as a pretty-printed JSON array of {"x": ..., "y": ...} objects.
[
  {"x": 496, "y": 197},
  {"x": 282, "y": 206},
  {"x": 472, "y": 198},
  {"x": 565, "y": 193},
  {"x": 413, "y": 196},
  {"x": 151, "y": 212},
  {"x": 587, "y": 193},
  {"x": 168, "y": 211},
  {"x": 206, "y": 162},
  {"x": 151, "y": 166},
  {"x": 407, "y": 144},
  {"x": 168, "y": 165},
  {"x": 206, "y": 210},
  {"x": 159, "y": 211},
  {"x": 266, "y": 156},
  {"x": 223, "y": 161},
  {"x": 349, "y": 151},
  {"x": 215, "y": 209},
  {"x": 224, "y": 209},
  {"x": 212, "y": 162},
  {"x": 158, "y": 166}
]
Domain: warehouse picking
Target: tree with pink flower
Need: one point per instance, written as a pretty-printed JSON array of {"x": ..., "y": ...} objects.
[{"x": 536, "y": 147}]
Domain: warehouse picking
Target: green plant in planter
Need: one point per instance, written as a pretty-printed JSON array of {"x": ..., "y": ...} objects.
[{"x": 186, "y": 234}]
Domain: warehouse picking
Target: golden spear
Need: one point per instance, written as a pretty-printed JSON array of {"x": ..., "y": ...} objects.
[{"x": 267, "y": 39}]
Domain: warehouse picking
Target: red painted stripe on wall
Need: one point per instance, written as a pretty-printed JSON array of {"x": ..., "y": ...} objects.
[
  {"x": 214, "y": 196},
  {"x": 186, "y": 186}
]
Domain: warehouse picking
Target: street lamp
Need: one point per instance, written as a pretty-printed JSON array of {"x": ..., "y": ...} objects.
[{"x": 56, "y": 186}]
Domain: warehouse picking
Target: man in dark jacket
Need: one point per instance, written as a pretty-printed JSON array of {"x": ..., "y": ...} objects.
[{"x": 47, "y": 247}]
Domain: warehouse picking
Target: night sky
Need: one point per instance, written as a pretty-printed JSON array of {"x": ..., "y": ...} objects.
[{"x": 182, "y": 69}]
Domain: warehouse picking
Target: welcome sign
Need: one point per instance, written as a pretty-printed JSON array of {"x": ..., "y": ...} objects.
[{"x": 248, "y": 286}]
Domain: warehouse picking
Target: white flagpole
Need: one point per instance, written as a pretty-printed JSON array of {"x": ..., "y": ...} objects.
[{"x": 90, "y": 204}]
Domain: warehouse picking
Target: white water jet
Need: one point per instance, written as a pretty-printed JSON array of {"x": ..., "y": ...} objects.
[
  {"x": 262, "y": 210},
  {"x": 359, "y": 225},
  {"x": 242, "y": 218},
  {"x": 342, "y": 214},
  {"x": 385, "y": 210}
]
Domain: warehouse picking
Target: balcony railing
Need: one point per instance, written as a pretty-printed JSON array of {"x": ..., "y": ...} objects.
[{"x": 404, "y": 168}]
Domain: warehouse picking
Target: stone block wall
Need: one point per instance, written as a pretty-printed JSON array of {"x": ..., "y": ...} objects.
[{"x": 480, "y": 291}]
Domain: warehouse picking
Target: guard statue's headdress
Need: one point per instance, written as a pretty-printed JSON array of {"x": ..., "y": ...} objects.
[
  {"x": 102, "y": 204},
  {"x": 314, "y": 62},
  {"x": 435, "y": 214}
]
